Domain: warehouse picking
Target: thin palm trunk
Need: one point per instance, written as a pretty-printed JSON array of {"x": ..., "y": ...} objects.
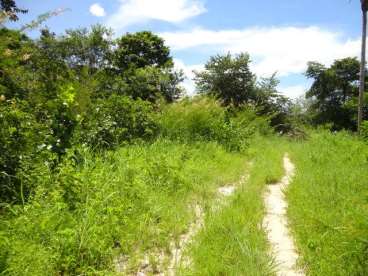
[{"x": 362, "y": 65}]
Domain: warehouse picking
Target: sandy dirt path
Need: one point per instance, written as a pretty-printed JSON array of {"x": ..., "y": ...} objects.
[
  {"x": 185, "y": 239},
  {"x": 177, "y": 248},
  {"x": 275, "y": 223},
  {"x": 177, "y": 252}
]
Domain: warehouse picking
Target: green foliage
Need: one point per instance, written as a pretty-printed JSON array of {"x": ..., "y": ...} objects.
[
  {"x": 90, "y": 48},
  {"x": 364, "y": 130},
  {"x": 228, "y": 78},
  {"x": 60, "y": 79},
  {"x": 334, "y": 93},
  {"x": 117, "y": 120},
  {"x": 20, "y": 145},
  {"x": 234, "y": 228},
  {"x": 9, "y": 9},
  {"x": 143, "y": 83},
  {"x": 15, "y": 52},
  {"x": 152, "y": 84},
  {"x": 274, "y": 105},
  {"x": 328, "y": 204},
  {"x": 203, "y": 119},
  {"x": 141, "y": 49},
  {"x": 126, "y": 202},
  {"x": 146, "y": 68}
]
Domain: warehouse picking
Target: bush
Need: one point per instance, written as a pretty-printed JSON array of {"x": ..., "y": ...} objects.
[
  {"x": 126, "y": 202},
  {"x": 20, "y": 146},
  {"x": 203, "y": 119},
  {"x": 364, "y": 130},
  {"x": 116, "y": 120}
]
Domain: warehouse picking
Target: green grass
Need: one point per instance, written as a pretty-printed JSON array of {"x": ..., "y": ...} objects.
[
  {"x": 137, "y": 199},
  {"x": 328, "y": 204},
  {"x": 232, "y": 241},
  {"x": 124, "y": 203}
]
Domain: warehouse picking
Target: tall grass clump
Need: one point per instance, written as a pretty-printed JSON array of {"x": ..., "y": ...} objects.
[
  {"x": 95, "y": 208},
  {"x": 204, "y": 119},
  {"x": 328, "y": 204},
  {"x": 232, "y": 241}
]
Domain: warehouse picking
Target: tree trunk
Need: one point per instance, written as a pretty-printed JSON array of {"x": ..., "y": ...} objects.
[{"x": 362, "y": 68}]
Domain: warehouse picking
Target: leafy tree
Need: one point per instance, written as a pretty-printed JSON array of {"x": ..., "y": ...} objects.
[
  {"x": 48, "y": 62},
  {"x": 170, "y": 84},
  {"x": 334, "y": 92},
  {"x": 15, "y": 52},
  {"x": 143, "y": 62},
  {"x": 228, "y": 78},
  {"x": 151, "y": 84},
  {"x": 141, "y": 49},
  {"x": 71, "y": 91},
  {"x": 10, "y": 9},
  {"x": 37, "y": 73},
  {"x": 271, "y": 103},
  {"x": 87, "y": 48}
]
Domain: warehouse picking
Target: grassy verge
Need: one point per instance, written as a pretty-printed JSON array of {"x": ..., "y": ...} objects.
[
  {"x": 129, "y": 201},
  {"x": 232, "y": 241},
  {"x": 328, "y": 204}
]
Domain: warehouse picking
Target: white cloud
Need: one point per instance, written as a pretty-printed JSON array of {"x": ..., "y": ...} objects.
[
  {"x": 188, "y": 83},
  {"x": 132, "y": 12},
  {"x": 97, "y": 10},
  {"x": 285, "y": 50},
  {"x": 295, "y": 91}
]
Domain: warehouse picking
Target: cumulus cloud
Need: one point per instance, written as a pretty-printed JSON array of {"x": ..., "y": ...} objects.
[
  {"x": 188, "y": 83},
  {"x": 131, "y": 12},
  {"x": 97, "y": 10},
  {"x": 285, "y": 50},
  {"x": 294, "y": 91}
]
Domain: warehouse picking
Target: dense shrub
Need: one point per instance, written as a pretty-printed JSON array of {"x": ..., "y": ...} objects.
[
  {"x": 116, "y": 120},
  {"x": 364, "y": 130},
  {"x": 203, "y": 119},
  {"x": 20, "y": 146},
  {"x": 119, "y": 202}
]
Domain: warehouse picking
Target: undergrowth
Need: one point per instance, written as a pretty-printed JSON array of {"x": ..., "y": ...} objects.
[
  {"x": 96, "y": 208},
  {"x": 328, "y": 204},
  {"x": 233, "y": 241},
  {"x": 204, "y": 119}
]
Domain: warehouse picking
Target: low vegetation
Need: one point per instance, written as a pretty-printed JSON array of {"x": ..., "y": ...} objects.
[
  {"x": 122, "y": 203},
  {"x": 236, "y": 229},
  {"x": 328, "y": 204},
  {"x": 104, "y": 159}
]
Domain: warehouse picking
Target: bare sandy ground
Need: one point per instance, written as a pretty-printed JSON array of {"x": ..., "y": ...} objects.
[{"x": 275, "y": 223}]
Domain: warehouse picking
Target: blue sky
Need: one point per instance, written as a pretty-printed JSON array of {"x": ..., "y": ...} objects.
[{"x": 280, "y": 35}]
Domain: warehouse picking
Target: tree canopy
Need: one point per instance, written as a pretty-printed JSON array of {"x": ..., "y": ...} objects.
[
  {"x": 228, "y": 78},
  {"x": 141, "y": 49},
  {"x": 334, "y": 92},
  {"x": 64, "y": 81},
  {"x": 10, "y": 9}
]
